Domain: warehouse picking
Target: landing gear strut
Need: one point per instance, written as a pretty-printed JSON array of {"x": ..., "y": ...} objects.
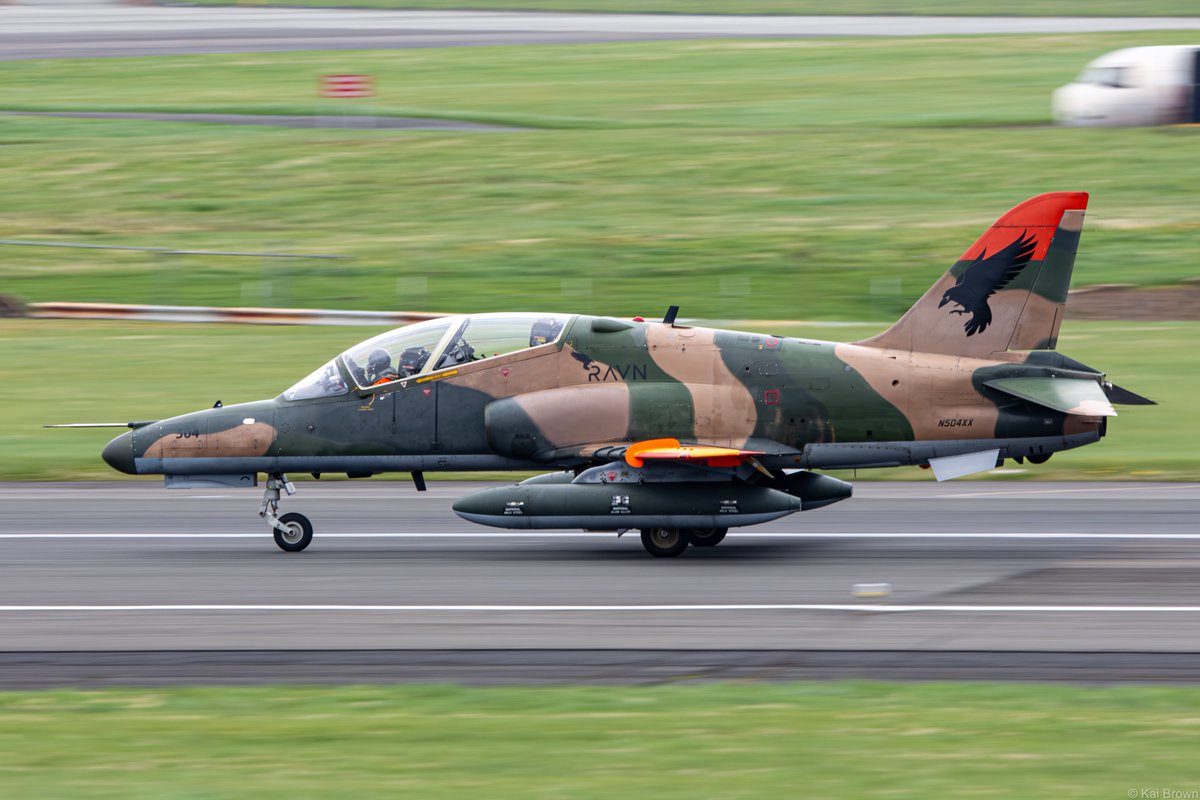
[{"x": 293, "y": 532}]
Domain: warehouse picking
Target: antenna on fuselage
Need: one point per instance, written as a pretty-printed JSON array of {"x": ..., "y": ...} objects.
[{"x": 672, "y": 312}]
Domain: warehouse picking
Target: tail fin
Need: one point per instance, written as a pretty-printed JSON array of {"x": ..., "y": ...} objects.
[{"x": 1007, "y": 292}]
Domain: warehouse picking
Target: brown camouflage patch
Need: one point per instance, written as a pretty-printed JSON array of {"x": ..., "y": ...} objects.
[
  {"x": 945, "y": 404},
  {"x": 1037, "y": 328},
  {"x": 579, "y": 414},
  {"x": 1072, "y": 220},
  {"x": 529, "y": 370},
  {"x": 725, "y": 414},
  {"x": 241, "y": 440},
  {"x": 1076, "y": 424},
  {"x": 723, "y": 406},
  {"x": 885, "y": 371}
]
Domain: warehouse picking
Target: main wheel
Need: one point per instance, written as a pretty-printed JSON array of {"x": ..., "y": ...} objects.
[
  {"x": 664, "y": 542},
  {"x": 298, "y": 535},
  {"x": 706, "y": 537}
]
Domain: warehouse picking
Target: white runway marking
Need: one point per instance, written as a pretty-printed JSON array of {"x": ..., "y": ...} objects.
[
  {"x": 609, "y": 535},
  {"x": 1072, "y": 490},
  {"x": 474, "y": 609}
]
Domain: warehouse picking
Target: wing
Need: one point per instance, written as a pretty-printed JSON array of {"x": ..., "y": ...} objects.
[
  {"x": 990, "y": 274},
  {"x": 1068, "y": 395}
]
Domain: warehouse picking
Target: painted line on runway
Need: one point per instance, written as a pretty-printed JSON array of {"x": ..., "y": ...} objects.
[
  {"x": 1072, "y": 490},
  {"x": 610, "y": 534},
  {"x": 474, "y": 609}
]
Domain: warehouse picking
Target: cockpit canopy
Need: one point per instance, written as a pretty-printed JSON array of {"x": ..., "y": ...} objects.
[{"x": 427, "y": 347}]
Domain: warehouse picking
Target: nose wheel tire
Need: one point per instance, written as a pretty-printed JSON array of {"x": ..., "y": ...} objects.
[
  {"x": 664, "y": 542},
  {"x": 298, "y": 535},
  {"x": 706, "y": 537}
]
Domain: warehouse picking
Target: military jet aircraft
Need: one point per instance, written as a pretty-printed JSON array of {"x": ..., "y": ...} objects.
[{"x": 680, "y": 432}]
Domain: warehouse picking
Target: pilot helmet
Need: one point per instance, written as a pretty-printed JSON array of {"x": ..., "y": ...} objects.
[
  {"x": 413, "y": 359},
  {"x": 544, "y": 330},
  {"x": 379, "y": 361}
]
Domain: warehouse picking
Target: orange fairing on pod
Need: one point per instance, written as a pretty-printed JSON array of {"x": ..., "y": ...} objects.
[{"x": 638, "y": 453}]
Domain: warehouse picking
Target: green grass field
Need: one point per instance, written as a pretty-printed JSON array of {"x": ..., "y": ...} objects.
[
  {"x": 127, "y": 371},
  {"x": 815, "y": 179},
  {"x": 1014, "y": 8},
  {"x": 803, "y": 180},
  {"x": 838, "y": 739}
]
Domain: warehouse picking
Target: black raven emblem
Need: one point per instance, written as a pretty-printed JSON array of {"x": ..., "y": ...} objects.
[{"x": 985, "y": 276}]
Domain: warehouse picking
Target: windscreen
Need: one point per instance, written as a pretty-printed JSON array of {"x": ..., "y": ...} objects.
[{"x": 325, "y": 381}]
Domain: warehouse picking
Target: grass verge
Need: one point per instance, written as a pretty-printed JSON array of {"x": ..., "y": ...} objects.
[
  {"x": 832, "y": 739},
  {"x": 114, "y": 372},
  {"x": 828, "y": 179}
]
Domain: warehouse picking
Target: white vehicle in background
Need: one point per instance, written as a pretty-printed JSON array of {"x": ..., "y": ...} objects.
[{"x": 1136, "y": 86}]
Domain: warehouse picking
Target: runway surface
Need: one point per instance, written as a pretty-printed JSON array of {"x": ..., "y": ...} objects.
[
  {"x": 975, "y": 568},
  {"x": 72, "y": 31}
]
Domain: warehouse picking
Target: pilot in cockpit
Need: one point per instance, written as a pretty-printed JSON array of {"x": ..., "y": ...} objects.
[
  {"x": 412, "y": 360},
  {"x": 379, "y": 367},
  {"x": 544, "y": 330}
]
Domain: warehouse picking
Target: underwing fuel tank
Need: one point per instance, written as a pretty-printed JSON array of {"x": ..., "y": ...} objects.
[{"x": 542, "y": 503}]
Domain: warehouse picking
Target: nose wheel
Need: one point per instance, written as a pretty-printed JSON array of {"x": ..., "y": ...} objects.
[
  {"x": 293, "y": 532},
  {"x": 296, "y": 533}
]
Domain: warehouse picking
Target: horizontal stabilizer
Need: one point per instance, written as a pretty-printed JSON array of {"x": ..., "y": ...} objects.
[
  {"x": 671, "y": 450},
  {"x": 1123, "y": 397},
  {"x": 1068, "y": 395},
  {"x": 967, "y": 464}
]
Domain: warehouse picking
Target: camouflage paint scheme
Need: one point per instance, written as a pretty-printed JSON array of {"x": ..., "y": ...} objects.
[{"x": 970, "y": 367}]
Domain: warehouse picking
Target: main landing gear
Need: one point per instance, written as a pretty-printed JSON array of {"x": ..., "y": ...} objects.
[
  {"x": 706, "y": 537},
  {"x": 671, "y": 542},
  {"x": 293, "y": 532}
]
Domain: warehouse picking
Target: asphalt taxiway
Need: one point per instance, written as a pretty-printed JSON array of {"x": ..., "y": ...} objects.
[
  {"x": 1070, "y": 569},
  {"x": 88, "y": 31}
]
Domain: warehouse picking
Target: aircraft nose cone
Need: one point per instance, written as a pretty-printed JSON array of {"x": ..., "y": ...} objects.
[{"x": 118, "y": 454}]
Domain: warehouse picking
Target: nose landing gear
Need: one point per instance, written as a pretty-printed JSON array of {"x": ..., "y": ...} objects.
[{"x": 293, "y": 532}]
